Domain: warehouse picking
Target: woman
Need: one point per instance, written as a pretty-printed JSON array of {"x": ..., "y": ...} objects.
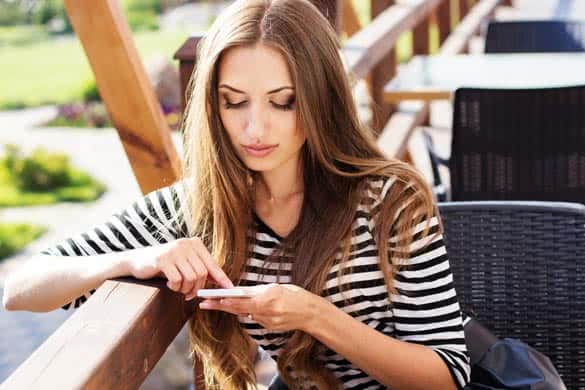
[{"x": 282, "y": 186}]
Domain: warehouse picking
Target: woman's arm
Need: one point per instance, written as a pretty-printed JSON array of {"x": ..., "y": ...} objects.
[
  {"x": 394, "y": 363},
  {"x": 46, "y": 282},
  {"x": 68, "y": 272}
]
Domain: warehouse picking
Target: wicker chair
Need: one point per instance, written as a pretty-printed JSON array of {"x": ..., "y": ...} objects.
[
  {"x": 544, "y": 36},
  {"x": 520, "y": 267},
  {"x": 517, "y": 144}
]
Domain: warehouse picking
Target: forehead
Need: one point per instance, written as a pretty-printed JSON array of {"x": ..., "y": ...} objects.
[{"x": 254, "y": 67}]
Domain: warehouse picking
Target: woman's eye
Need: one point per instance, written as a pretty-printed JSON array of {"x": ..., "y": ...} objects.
[
  {"x": 229, "y": 105},
  {"x": 286, "y": 107}
]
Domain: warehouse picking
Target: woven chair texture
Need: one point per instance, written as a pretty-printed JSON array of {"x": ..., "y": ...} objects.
[{"x": 520, "y": 268}]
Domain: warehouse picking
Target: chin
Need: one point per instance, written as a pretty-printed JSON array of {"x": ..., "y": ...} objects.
[{"x": 260, "y": 166}]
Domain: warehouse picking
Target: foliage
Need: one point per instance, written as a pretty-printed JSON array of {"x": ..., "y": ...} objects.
[
  {"x": 43, "y": 177},
  {"x": 14, "y": 236}
]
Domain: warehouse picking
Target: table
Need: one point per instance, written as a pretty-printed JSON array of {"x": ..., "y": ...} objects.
[{"x": 437, "y": 77}]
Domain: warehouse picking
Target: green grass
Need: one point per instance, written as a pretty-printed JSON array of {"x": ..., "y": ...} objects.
[
  {"x": 55, "y": 70},
  {"x": 15, "y": 236}
]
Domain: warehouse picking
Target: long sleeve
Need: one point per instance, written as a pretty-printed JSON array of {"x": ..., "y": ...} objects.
[
  {"x": 157, "y": 218},
  {"x": 426, "y": 309}
]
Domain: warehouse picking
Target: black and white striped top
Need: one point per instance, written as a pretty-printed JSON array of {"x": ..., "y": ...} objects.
[{"x": 425, "y": 309}]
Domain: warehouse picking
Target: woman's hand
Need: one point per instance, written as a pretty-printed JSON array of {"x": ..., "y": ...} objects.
[
  {"x": 185, "y": 262},
  {"x": 283, "y": 307}
]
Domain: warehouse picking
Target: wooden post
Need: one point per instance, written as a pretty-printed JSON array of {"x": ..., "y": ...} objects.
[
  {"x": 333, "y": 10},
  {"x": 463, "y": 9},
  {"x": 383, "y": 72},
  {"x": 443, "y": 17},
  {"x": 187, "y": 56},
  {"x": 126, "y": 91},
  {"x": 420, "y": 38},
  {"x": 351, "y": 23}
]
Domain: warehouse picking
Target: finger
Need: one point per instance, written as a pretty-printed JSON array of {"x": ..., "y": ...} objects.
[
  {"x": 201, "y": 279},
  {"x": 200, "y": 270},
  {"x": 173, "y": 275},
  {"x": 239, "y": 305},
  {"x": 214, "y": 304},
  {"x": 189, "y": 276},
  {"x": 214, "y": 270}
]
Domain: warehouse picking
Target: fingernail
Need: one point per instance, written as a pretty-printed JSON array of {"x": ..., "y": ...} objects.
[{"x": 204, "y": 305}]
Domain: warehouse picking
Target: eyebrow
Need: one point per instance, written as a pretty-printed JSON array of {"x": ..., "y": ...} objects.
[{"x": 268, "y": 93}]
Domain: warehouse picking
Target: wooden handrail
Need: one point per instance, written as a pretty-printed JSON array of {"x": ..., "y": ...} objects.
[
  {"x": 111, "y": 342},
  {"x": 368, "y": 46}
]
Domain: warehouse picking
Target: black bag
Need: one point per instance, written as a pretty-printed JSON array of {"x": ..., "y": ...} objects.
[{"x": 506, "y": 364}]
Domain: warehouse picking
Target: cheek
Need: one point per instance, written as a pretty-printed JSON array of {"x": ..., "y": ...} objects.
[{"x": 231, "y": 123}]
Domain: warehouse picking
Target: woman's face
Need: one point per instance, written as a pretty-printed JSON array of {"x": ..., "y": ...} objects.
[{"x": 257, "y": 107}]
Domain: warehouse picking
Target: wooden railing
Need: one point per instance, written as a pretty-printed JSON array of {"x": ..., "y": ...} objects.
[{"x": 116, "y": 337}]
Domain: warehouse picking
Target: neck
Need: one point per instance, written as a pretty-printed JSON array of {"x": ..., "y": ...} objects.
[{"x": 283, "y": 183}]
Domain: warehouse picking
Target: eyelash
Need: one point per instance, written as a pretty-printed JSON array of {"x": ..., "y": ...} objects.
[{"x": 284, "y": 107}]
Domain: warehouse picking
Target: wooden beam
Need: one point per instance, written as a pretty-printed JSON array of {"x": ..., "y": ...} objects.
[
  {"x": 112, "y": 341},
  {"x": 351, "y": 23},
  {"x": 126, "y": 91}
]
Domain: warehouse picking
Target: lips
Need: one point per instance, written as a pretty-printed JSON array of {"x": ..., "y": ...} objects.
[
  {"x": 259, "y": 150},
  {"x": 259, "y": 147}
]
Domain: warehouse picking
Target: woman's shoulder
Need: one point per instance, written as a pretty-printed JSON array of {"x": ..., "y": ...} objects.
[{"x": 376, "y": 187}]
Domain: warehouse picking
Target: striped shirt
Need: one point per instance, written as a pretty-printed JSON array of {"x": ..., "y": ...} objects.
[{"x": 424, "y": 310}]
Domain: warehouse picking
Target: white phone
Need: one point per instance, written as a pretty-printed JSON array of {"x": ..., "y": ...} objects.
[{"x": 236, "y": 292}]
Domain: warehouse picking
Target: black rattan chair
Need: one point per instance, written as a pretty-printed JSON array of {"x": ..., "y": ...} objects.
[
  {"x": 544, "y": 36},
  {"x": 520, "y": 268},
  {"x": 518, "y": 144}
]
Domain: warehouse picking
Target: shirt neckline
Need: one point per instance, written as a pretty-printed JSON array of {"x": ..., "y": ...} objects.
[{"x": 265, "y": 227}]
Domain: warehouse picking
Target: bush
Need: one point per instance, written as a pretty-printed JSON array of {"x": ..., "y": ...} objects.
[
  {"x": 89, "y": 91},
  {"x": 143, "y": 14},
  {"x": 11, "y": 13},
  {"x": 42, "y": 171},
  {"x": 13, "y": 237},
  {"x": 43, "y": 178}
]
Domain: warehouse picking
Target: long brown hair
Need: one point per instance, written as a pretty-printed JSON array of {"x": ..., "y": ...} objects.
[{"x": 336, "y": 158}]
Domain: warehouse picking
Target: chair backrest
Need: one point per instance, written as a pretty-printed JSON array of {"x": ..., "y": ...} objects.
[
  {"x": 518, "y": 144},
  {"x": 538, "y": 36},
  {"x": 520, "y": 266}
]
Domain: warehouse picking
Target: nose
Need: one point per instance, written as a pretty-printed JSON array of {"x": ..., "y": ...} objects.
[{"x": 256, "y": 126}]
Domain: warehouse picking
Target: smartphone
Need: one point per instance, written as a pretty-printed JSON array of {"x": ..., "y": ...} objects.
[{"x": 236, "y": 292}]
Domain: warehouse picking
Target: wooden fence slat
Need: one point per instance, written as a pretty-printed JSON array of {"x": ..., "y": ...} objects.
[
  {"x": 443, "y": 17},
  {"x": 421, "y": 38},
  {"x": 126, "y": 91},
  {"x": 458, "y": 41}
]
